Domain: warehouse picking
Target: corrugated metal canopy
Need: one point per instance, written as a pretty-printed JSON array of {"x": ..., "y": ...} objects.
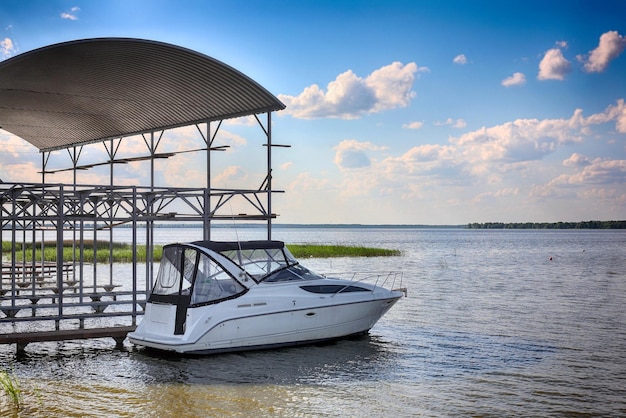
[{"x": 89, "y": 90}]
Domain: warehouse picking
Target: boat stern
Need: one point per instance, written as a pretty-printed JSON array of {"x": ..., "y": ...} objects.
[{"x": 157, "y": 323}]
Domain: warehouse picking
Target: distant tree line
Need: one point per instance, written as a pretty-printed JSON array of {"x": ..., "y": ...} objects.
[{"x": 550, "y": 225}]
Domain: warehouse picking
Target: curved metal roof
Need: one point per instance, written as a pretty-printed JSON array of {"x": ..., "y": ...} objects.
[{"x": 90, "y": 90}]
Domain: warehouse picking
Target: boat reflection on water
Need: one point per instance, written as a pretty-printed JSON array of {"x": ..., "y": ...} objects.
[
  {"x": 291, "y": 381},
  {"x": 358, "y": 359}
]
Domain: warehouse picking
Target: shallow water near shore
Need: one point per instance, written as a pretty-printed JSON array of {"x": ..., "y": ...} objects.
[{"x": 496, "y": 323}]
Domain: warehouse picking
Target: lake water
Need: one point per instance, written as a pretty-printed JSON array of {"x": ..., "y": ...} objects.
[{"x": 496, "y": 323}]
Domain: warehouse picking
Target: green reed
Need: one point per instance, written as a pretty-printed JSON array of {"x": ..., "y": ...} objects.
[
  {"x": 330, "y": 251},
  {"x": 104, "y": 251},
  {"x": 123, "y": 253},
  {"x": 11, "y": 387}
]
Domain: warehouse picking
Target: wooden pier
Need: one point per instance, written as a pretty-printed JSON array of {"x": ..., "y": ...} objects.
[
  {"x": 44, "y": 301},
  {"x": 22, "y": 339}
]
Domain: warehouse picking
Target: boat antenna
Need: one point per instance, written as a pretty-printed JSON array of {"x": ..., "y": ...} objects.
[{"x": 232, "y": 215}]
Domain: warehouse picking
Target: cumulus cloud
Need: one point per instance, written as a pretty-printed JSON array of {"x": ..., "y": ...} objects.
[
  {"x": 413, "y": 125},
  {"x": 594, "y": 172},
  {"x": 71, "y": 15},
  {"x": 229, "y": 175},
  {"x": 426, "y": 158},
  {"x": 577, "y": 160},
  {"x": 460, "y": 59},
  {"x": 7, "y": 48},
  {"x": 517, "y": 79},
  {"x": 611, "y": 45},
  {"x": 532, "y": 139},
  {"x": 621, "y": 120},
  {"x": 416, "y": 170},
  {"x": 520, "y": 140},
  {"x": 350, "y": 96},
  {"x": 394, "y": 175},
  {"x": 505, "y": 162},
  {"x": 612, "y": 113},
  {"x": 554, "y": 66},
  {"x": 352, "y": 154}
]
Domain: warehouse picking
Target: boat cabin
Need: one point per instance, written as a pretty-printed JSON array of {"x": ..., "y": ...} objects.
[{"x": 208, "y": 272}]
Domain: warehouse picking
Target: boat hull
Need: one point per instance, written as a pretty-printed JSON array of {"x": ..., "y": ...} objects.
[{"x": 256, "y": 325}]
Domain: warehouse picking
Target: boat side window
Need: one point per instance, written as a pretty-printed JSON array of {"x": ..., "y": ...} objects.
[
  {"x": 212, "y": 283},
  {"x": 169, "y": 277},
  {"x": 189, "y": 267}
]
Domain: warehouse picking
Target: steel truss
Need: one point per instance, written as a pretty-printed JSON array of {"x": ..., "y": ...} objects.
[{"x": 84, "y": 288}]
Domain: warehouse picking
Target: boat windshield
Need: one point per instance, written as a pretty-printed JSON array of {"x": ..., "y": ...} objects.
[
  {"x": 269, "y": 264},
  {"x": 295, "y": 272}
]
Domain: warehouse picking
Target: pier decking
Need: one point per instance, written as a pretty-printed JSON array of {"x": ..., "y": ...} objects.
[
  {"x": 22, "y": 339},
  {"x": 47, "y": 301}
]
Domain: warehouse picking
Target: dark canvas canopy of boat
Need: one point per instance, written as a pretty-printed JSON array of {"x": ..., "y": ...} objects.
[
  {"x": 86, "y": 91},
  {"x": 220, "y": 246}
]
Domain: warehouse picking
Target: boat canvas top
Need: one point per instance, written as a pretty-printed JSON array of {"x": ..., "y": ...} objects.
[{"x": 220, "y": 246}]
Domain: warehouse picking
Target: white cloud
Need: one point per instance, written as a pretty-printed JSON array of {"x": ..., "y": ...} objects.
[
  {"x": 459, "y": 124},
  {"x": 498, "y": 194},
  {"x": 305, "y": 183},
  {"x": 413, "y": 125},
  {"x": 460, "y": 59},
  {"x": 429, "y": 152},
  {"x": 554, "y": 66},
  {"x": 71, "y": 15},
  {"x": 19, "y": 161},
  {"x": 620, "y": 125},
  {"x": 7, "y": 48},
  {"x": 352, "y": 154},
  {"x": 577, "y": 160},
  {"x": 594, "y": 172},
  {"x": 520, "y": 140},
  {"x": 455, "y": 123},
  {"x": 615, "y": 113},
  {"x": 517, "y": 79},
  {"x": 594, "y": 194},
  {"x": 230, "y": 177},
  {"x": 418, "y": 169},
  {"x": 241, "y": 121},
  {"x": 611, "y": 45},
  {"x": 501, "y": 167},
  {"x": 532, "y": 139},
  {"x": 350, "y": 96}
]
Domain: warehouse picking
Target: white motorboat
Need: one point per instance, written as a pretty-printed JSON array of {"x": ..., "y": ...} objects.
[{"x": 212, "y": 297}]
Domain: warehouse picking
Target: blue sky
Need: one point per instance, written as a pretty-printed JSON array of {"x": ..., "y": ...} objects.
[{"x": 400, "y": 112}]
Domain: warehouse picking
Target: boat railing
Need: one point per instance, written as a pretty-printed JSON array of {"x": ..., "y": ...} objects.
[{"x": 391, "y": 280}]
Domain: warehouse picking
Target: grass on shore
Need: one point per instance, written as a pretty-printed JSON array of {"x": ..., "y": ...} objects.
[
  {"x": 122, "y": 253},
  {"x": 10, "y": 387},
  {"x": 328, "y": 251}
]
